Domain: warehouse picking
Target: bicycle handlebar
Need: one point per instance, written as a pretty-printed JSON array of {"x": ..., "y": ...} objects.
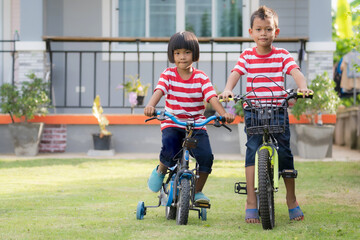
[
  {"x": 291, "y": 94},
  {"x": 162, "y": 115}
]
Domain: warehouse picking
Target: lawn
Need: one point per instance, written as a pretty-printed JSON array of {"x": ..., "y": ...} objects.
[{"x": 97, "y": 199}]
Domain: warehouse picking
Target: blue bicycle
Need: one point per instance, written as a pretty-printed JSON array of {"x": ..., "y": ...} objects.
[{"x": 178, "y": 191}]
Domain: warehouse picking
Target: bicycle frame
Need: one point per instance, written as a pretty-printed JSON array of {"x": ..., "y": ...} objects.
[{"x": 184, "y": 166}]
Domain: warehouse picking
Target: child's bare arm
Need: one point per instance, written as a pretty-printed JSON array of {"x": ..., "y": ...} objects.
[
  {"x": 214, "y": 101},
  {"x": 154, "y": 100},
  {"x": 300, "y": 81},
  {"x": 230, "y": 84}
]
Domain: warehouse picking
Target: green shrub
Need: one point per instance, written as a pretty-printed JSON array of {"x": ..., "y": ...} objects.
[
  {"x": 26, "y": 101},
  {"x": 325, "y": 99}
]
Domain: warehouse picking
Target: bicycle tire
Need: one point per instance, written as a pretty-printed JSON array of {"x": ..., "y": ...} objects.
[
  {"x": 170, "y": 213},
  {"x": 266, "y": 193},
  {"x": 182, "y": 210}
]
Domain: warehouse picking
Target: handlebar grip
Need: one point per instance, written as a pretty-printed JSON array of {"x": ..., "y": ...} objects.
[
  {"x": 300, "y": 95},
  {"x": 222, "y": 100}
]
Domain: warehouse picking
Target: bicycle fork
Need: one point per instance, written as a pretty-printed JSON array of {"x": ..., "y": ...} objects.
[
  {"x": 240, "y": 187},
  {"x": 274, "y": 164}
]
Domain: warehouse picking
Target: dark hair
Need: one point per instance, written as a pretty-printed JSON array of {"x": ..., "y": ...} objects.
[
  {"x": 183, "y": 40},
  {"x": 264, "y": 12}
]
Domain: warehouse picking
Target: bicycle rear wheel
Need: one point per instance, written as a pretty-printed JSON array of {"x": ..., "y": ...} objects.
[
  {"x": 266, "y": 193},
  {"x": 182, "y": 212}
]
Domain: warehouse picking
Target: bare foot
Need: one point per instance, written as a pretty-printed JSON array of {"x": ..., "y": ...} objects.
[{"x": 300, "y": 218}]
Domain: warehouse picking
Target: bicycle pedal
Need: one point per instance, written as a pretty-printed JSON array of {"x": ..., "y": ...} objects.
[
  {"x": 202, "y": 205},
  {"x": 240, "y": 188},
  {"x": 289, "y": 173}
]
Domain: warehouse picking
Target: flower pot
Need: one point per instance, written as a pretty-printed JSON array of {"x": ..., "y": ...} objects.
[
  {"x": 101, "y": 143},
  {"x": 314, "y": 142},
  {"x": 26, "y": 138},
  {"x": 140, "y": 100}
]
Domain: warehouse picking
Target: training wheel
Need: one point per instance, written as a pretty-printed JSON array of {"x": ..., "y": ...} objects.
[
  {"x": 203, "y": 214},
  {"x": 140, "y": 210}
]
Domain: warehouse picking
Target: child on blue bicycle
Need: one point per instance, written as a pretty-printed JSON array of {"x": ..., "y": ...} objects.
[
  {"x": 272, "y": 62},
  {"x": 185, "y": 88}
]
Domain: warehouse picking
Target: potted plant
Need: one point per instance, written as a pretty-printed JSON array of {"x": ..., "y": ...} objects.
[
  {"x": 315, "y": 140},
  {"x": 102, "y": 140},
  {"x": 23, "y": 102},
  {"x": 136, "y": 90}
]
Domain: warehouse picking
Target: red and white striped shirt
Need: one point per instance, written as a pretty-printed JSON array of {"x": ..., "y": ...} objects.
[
  {"x": 185, "y": 98},
  {"x": 273, "y": 65}
]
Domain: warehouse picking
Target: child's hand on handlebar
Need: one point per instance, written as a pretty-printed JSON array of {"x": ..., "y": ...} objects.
[
  {"x": 226, "y": 95},
  {"x": 229, "y": 117},
  {"x": 305, "y": 91},
  {"x": 149, "y": 111}
]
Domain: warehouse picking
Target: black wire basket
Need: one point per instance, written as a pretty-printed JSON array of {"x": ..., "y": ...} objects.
[{"x": 268, "y": 115}]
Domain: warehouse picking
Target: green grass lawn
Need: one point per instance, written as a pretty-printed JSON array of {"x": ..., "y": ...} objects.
[{"x": 97, "y": 199}]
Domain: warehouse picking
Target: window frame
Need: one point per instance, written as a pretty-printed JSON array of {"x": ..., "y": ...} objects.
[{"x": 110, "y": 27}]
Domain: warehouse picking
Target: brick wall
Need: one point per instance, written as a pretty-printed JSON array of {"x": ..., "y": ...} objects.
[
  {"x": 53, "y": 138},
  {"x": 31, "y": 62},
  {"x": 318, "y": 63}
]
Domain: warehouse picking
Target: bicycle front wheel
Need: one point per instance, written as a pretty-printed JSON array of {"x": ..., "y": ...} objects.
[
  {"x": 182, "y": 212},
  {"x": 266, "y": 193}
]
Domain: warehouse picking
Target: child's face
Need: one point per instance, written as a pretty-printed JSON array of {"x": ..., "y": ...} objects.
[
  {"x": 183, "y": 58},
  {"x": 264, "y": 32}
]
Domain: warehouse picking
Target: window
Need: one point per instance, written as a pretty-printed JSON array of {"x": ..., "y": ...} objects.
[
  {"x": 198, "y": 16},
  {"x": 131, "y": 18},
  {"x": 162, "y": 18},
  {"x": 229, "y": 14}
]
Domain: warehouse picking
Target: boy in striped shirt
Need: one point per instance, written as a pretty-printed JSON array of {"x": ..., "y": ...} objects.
[
  {"x": 185, "y": 88},
  {"x": 264, "y": 61}
]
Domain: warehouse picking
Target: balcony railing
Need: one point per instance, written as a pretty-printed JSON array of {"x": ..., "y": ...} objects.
[{"x": 83, "y": 67}]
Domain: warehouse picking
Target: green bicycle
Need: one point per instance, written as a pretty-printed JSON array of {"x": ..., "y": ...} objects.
[{"x": 267, "y": 117}]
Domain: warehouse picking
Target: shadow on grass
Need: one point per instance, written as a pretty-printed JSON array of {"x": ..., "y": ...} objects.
[{"x": 28, "y": 163}]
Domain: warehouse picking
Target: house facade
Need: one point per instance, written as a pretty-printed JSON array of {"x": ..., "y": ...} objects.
[{"x": 79, "y": 70}]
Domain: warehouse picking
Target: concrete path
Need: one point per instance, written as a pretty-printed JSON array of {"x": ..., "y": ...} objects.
[{"x": 340, "y": 153}]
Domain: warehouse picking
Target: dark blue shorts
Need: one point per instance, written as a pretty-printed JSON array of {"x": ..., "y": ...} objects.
[
  {"x": 172, "y": 139},
  {"x": 286, "y": 159}
]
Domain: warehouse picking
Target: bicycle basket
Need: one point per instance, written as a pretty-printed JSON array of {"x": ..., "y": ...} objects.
[{"x": 267, "y": 115}]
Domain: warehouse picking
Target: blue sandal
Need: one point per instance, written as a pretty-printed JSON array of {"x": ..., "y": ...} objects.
[
  {"x": 296, "y": 212},
  {"x": 201, "y": 198},
  {"x": 155, "y": 180},
  {"x": 252, "y": 214}
]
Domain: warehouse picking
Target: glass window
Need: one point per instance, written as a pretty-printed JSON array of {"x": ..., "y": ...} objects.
[
  {"x": 198, "y": 17},
  {"x": 229, "y": 18},
  {"x": 157, "y": 18},
  {"x": 131, "y": 18},
  {"x": 162, "y": 18}
]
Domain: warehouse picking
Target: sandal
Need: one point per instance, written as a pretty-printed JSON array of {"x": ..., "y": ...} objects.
[
  {"x": 201, "y": 198},
  {"x": 295, "y": 213},
  {"x": 155, "y": 180},
  {"x": 252, "y": 214}
]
